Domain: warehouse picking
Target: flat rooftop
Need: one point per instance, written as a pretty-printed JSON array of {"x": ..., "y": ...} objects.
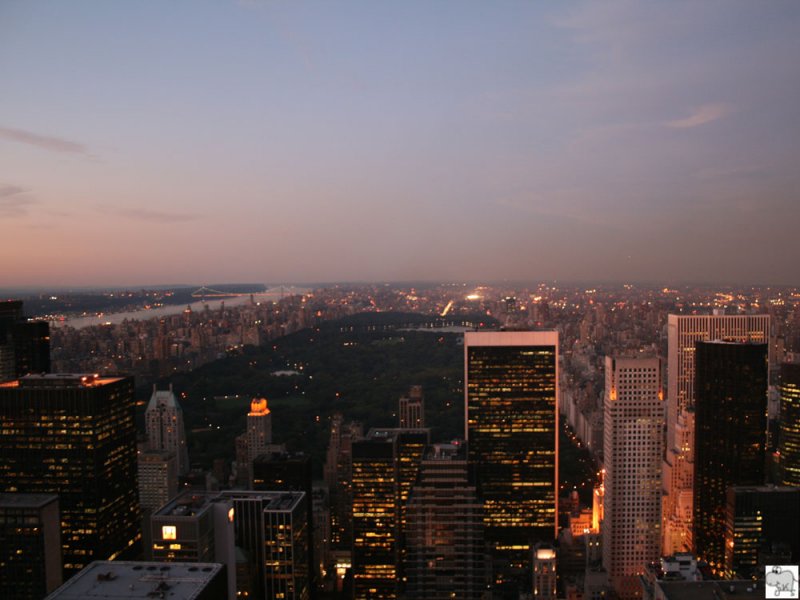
[
  {"x": 272, "y": 501},
  {"x": 60, "y": 380},
  {"x": 187, "y": 504},
  {"x": 713, "y": 590},
  {"x": 123, "y": 580}
]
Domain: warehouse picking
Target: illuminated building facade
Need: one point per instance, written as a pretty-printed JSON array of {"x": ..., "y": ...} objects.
[
  {"x": 164, "y": 427},
  {"x": 285, "y": 472},
  {"x": 544, "y": 572},
  {"x": 789, "y": 436},
  {"x": 445, "y": 552},
  {"x": 270, "y": 528},
  {"x": 375, "y": 514},
  {"x": 338, "y": 475},
  {"x": 30, "y": 545},
  {"x": 679, "y": 459},
  {"x": 412, "y": 409},
  {"x": 511, "y": 388},
  {"x": 762, "y": 526},
  {"x": 730, "y": 435},
  {"x": 632, "y": 456},
  {"x": 74, "y": 435},
  {"x": 256, "y": 440}
]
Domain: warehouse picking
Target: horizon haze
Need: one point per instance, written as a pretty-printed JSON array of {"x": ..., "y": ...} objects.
[{"x": 260, "y": 141}]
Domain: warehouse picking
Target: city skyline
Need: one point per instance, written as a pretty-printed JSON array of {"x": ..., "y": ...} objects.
[{"x": 255, "y": 141}]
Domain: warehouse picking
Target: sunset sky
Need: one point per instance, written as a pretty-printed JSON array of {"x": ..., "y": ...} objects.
[{"x": 154, "y": 142}]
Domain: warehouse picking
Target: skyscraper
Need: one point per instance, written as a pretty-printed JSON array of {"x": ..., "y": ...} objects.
[
  {"x": 678, "y": 470},
  {"x": 255, "y": 441},
  {"x": 24, "y": 345},
  {"x": 789, "y": 434},
  {"x": 284, "y": 472},
  {"x": 270, "y": 528},
  {"x": 730, "y": 435},
  {"x": 511, "y": 389},
  {"x": 74, "y": 435},
  {"x": 374, "y": 520},
  {"x": 164, "y": 427},
  {"x": 158, "y": 479},
  {"x": 412, "y": 409},
  {"x": 632, "y": 455},
  {"x": 30, "y": 546},
  {"x": 445, "y": 551},
  {"x": 761, "y": 522}
]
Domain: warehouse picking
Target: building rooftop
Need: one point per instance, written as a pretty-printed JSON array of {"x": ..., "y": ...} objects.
[
  {"x": 15, "y": 500},
  {"x": 188, "y": 504},
  {"x": 120, "y": 580},
  {"x": 272, "y": 501},
  {"x": 713, "y": 590},
  {"x": 60, "y": 380}
]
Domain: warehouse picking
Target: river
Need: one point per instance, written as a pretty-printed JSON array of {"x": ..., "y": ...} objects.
[{"x": 270, "y": 295}]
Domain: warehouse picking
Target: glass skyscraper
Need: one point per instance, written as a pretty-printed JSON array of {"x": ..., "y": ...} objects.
[
  {"x": 730, "y": 435},
  {"x": 74, "y": 435},
  {"x": 511, "y": 388}
]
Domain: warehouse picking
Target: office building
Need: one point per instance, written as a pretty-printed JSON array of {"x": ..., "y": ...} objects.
[
  {"x": 730, "y": 405},
  {"x": 164, "y": 427},
  {"x": 375, "y": 515},
  {"x": 632, "y": 457},
  {"x": 74, "y": 435},
  {"x": 104, "y": 580},
  {"x": 24, "y": 345},
  {"x": 412, "y": 409},
  {"x": 270, "y": 530},
  {"x": 158, "y": 479},
  {"x": 30, "y": 546},
  {"x": 511, "y": 389},
  {"x": 679, "y": 459},
  {"x": 255, "y": 441},
  {"x": 544, "y": 572},
  {"x": 789, "y": 429},
  {"x": 762, "y": 523},
  {"x": 445, "y": 554},
  {"x": 196, "y": 527},
  {"x": 285, "y": 472},
  {"x": 338, "y": 474}
]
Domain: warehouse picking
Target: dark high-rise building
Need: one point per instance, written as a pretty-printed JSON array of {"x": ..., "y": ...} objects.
[
  {"x": 445, "y": 551},
  {"x": 761, "y": 522},
  {"x": 284, "y": 472},
  {"x": 24, "y": 345},
  {"x": 789, "y": 434},
  {"x": 30, "y": 546},
  {"x": 511, "y": 388},
  {"x": 338, "y": 475},
  {"x": 375, "y": 511},
  {"x": 730, "y": 435},
  {"x": 270, "y": 530},
  {"x": 74, "y": 435}
]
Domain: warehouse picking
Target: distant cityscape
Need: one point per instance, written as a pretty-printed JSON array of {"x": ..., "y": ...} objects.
[{"x": 402, "y": 441}]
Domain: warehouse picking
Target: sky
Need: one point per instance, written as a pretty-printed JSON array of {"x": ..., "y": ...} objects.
[{"x": 192, "y": 141}]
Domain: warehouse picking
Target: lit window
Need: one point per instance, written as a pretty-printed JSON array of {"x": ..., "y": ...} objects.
[{"x": 169, "y": 532}]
